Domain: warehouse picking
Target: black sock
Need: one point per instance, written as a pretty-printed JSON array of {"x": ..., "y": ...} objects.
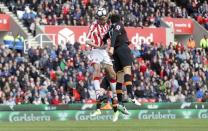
[
  {"x": 98, "y": 106},
  {"x": 128, "y": 83},
  {"x": 114, "y": 103},
  {"x": 119, "y": 92}
]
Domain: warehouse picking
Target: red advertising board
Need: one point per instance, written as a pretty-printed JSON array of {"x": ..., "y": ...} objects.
[
  {"x": 4, "y": 22},
  {"x": 79, "y": 33},
  {"x": 180, "y": 25}
]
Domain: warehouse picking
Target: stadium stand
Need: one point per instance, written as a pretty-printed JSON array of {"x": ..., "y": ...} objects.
[
  {"x": 134, "y": 12},
  {"x": 176, "y": 73},
  {"x": 61, "y": 76},
  {"x": 65, "y": 12},
  {"x": 197, "y": 9}
]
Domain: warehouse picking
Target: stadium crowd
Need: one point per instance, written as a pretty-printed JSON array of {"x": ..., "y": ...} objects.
[
  {"x": 82, "y": 12},
  {"x": 59, "y": 76},
  {"x": 197, "y": 9}
]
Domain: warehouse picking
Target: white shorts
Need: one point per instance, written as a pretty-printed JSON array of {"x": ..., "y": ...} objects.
[{"x": 99, "y": 56}]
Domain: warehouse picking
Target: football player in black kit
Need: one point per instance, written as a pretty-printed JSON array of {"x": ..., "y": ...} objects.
[{"x": 122, "y": 56}]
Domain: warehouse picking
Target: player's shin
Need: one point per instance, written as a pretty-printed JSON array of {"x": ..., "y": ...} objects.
[
  {"x": 115, "y": 104},
  {"x": 119, "y": 92},
  {"x": 98, "y": 105},
  {"x": 120, "y": 106},
  {"x": 96, "y": 83},
  {"x": 113, "y": 86},
  {"x": 114, "y": 95},
  {"x": 128, "y": 83}
]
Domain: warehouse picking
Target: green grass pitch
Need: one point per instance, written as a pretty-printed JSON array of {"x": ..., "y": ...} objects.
[{"x": 122, "y": 125}]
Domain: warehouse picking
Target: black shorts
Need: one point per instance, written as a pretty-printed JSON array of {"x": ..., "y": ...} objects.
[
  {"x": 122, "y": 57},
  {"x": 105, "y": 83}
]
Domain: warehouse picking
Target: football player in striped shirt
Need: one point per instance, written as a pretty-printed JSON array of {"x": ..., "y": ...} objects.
[{"x": 98, "y": 56}]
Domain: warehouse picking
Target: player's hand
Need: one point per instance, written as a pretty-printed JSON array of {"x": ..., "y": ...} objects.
[{"x": 110, "y": 51}]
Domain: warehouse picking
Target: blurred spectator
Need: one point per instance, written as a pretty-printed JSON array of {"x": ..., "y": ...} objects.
[
  {"x": 82, "y": 13},
  {"x": 28, "y": 17},
  {"x": 191, "y": 43},
  {"x": 174, "y": 74},
  {"x": 63, "y": 75},
  {"x": 204, "y": 42},
  {"x": 199, "y": 94},
  {"x": 56, "y": 101},
  {"x": 172, "y": 97},
  {"x": 134, "y": 13},
  {"x": 205, "y": 97},
  {"x": 180, "y": 97}
]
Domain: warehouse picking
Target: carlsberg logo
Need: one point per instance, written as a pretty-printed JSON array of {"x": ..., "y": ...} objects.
[
  {"x": 83, "y": 115},
  {"x": 17, "y": 116},
  {"x": 203, "y": 114},
  {"x": 145, "y": 114}
]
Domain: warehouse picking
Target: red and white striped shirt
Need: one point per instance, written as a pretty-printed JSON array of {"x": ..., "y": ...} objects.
[{"x": 96, "y": 33}]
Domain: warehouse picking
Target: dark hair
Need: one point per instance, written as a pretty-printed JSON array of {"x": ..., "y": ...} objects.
[{"x": 114, "y": 18}]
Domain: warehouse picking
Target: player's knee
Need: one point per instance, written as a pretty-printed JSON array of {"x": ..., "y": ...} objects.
[
  {"x": 127, "y": 70},
  {"x": 120, "y": 77},
  {"x": 96, "y": 67},
  {"x": 119, "y": 80},
  {"x": 112, "y": 75},
  {"x": 111, "y": 72},
  {"x": 96, "y": 72},
  {"x": 127, "y": 79}
]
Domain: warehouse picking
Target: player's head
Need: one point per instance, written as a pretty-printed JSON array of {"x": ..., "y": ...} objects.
[
  {"x": 101, "y": 15},
  {"x": 114, "y": 18}
]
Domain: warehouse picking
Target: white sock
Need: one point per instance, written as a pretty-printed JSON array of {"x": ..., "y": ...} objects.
[
  {"x": 96, "y": 84},
  {"x": 98, "y": 93},
  {"x": 113, "y": 89},
  {"x": 97, "y": 88}
]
